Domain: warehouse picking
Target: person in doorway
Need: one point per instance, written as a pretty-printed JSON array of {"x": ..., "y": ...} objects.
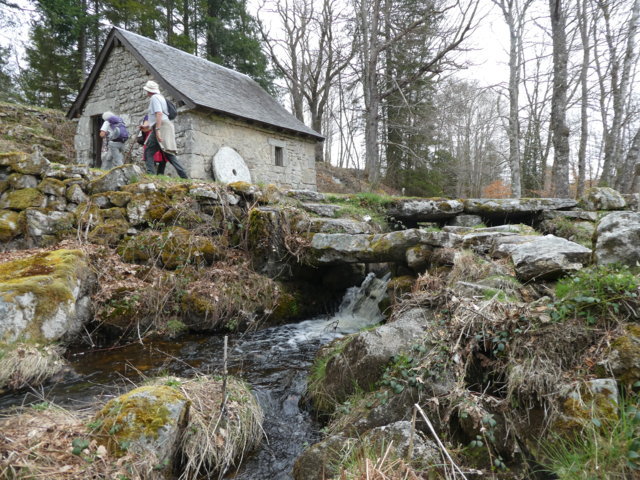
[
  {"x": 162, "y": 135},
  {"x": 114, "y": 132}
]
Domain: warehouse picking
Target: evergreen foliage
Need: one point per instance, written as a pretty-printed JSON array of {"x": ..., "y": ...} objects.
[
  {"x": 7, "y": 89},
  {"x": 67, "y": 36}
]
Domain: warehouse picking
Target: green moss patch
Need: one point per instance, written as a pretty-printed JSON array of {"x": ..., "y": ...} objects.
[{"x": 50, "y": 277}]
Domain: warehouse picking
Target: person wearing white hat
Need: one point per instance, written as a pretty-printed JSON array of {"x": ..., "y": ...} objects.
[{"x": 162, "y": 136}]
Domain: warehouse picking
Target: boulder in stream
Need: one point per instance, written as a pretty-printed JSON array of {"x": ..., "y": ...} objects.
[{"x": 44, "y": 298}]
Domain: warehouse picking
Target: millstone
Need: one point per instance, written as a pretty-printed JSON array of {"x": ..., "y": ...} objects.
[{"x": 229, "y": 167}]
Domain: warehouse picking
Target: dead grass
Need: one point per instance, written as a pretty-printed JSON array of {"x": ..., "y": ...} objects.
[
  {"x": 216, "y": 437},
  {"x": 469, "y": 267},
  {"x": 38, "y": 443},
  {"x": 22, "y": 365}
]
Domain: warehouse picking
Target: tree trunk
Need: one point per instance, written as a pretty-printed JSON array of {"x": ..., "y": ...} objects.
[
  {"x": 559, "y": 128},
  {"x": 619, "y": 91},
  {"x": 584, "y": 100},
  {"x": 371, "y": 88}
]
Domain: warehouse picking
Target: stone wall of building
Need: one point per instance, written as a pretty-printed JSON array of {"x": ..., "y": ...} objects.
[
  {"x": 199, "y": 136},
  {"x": 207, "y": 133}
]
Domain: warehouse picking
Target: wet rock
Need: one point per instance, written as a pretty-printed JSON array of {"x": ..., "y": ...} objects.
[
  {"x": 548, "y": 257},
  {"x": 424, "y": 210},
  {"x": 359, "y": 361},
  {"x": 617, "y": 238},
  {"x": 602, "y": 198},
  {"x": 115, "y": 179}
]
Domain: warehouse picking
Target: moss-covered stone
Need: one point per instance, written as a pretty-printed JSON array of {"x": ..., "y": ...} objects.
[
  {"x": 114, "y": 213},
  {"x": 23, "y": 199},
  {"x": 39, "y": 294},
  {"x": 234, "y": 302},
  {"x": 172, "y": 248},
  {"x": 147, "y": 421},
  {"x": 52, "y": 186},
  {"x": 11, "y": 225},
  {"x": 75, "y": 194},
  {"x": 109, "y": 232},
  {"x": 183, "y": 217},
  {"x": 17, "y": 181},
  {"x": 119, "y": 199},
  {"x": 623, "y": 358},
  {"x": 594, "y": 399},
  {"x": 147, "y": 207},
  {"x": 88, "y": 213},
  {"x": 181, "y": 247},
  {"x": 22, "y": 162}
]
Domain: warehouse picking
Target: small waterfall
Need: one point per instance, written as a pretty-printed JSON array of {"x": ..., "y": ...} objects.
[{"x": 359, "y": 307}]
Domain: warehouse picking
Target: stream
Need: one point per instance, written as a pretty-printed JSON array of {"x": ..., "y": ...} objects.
[{"x": 275, "y": 361}]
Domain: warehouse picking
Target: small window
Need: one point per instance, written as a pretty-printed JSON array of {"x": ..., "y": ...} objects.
[{"x": 279, "y": 155}]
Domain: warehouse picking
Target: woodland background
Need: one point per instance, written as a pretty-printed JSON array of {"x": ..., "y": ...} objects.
[{"x": 387, "y": 81}]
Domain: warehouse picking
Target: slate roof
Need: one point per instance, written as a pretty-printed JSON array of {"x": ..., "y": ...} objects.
[{"x": 197, "y": 83}]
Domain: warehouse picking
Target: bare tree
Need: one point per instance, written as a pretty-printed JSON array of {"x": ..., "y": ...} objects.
[
  {"x": 514, "y": 12},
  {"x": 559, "y": 128},
  {"x": 374, "y": 46},
  {"x": 584, "y": 27},
  {"x": 313, "y": 56},
  {"x": 620, "y": 69}
]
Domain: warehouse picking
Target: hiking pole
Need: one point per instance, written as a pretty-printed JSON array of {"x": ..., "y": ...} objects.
[{"x": 126, "y": 158}]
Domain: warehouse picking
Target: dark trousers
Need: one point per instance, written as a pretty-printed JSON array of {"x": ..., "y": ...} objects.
[{"x": 150, "y": 164}]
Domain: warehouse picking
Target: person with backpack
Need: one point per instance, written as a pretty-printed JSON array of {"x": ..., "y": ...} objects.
[
  {"x": 162, "y": 136},
  {"x": 114, "y": 132},
  {"x": 144, "y": 132}
]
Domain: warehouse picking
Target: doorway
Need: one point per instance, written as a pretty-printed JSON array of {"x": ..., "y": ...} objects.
[{"x": 96, "y": 140}]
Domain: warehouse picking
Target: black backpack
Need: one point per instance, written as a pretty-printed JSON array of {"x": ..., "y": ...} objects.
[{"x": 172, "y": 111}]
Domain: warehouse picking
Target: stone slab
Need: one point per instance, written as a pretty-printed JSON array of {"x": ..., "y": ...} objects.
[{"x": 229, "y": 166}]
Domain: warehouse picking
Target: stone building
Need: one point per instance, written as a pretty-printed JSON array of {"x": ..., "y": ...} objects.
[{"x": 227, "y": 125}]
